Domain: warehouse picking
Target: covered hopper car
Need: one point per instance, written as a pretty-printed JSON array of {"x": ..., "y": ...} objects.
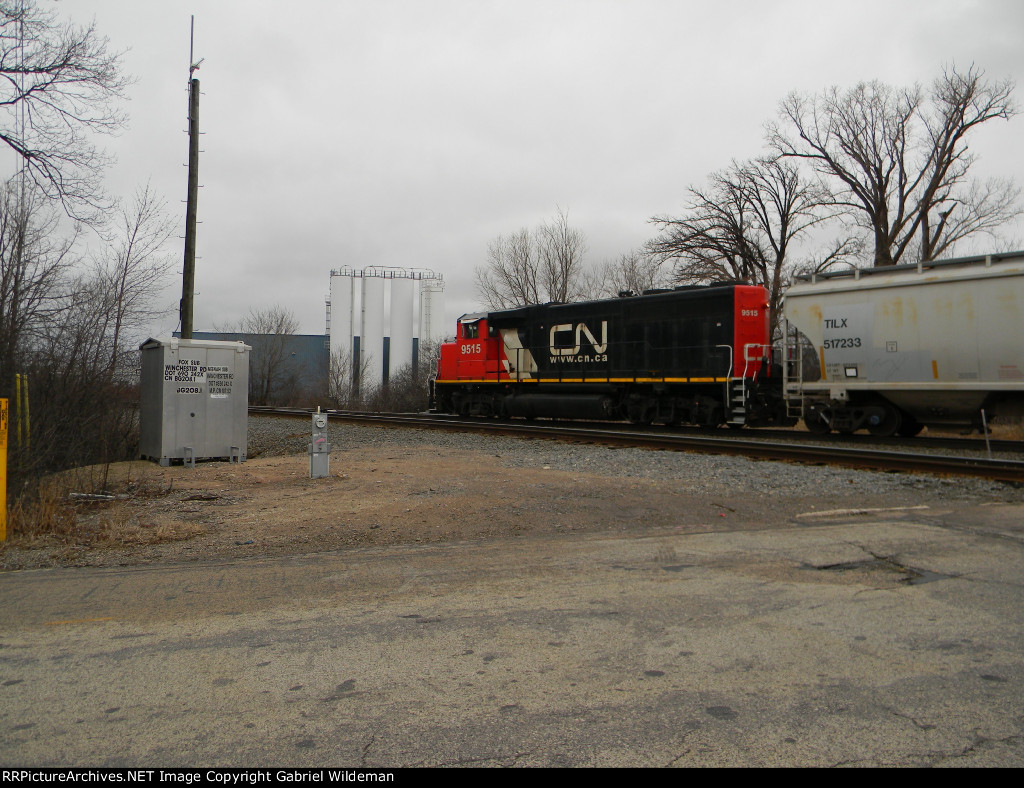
[
  {"x": 895, "y": 349},
  {"x": 697, "y": 355}
]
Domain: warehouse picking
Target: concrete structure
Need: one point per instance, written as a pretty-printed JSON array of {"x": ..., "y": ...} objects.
[
  {"x": 371, "y": 342},
  {"x": 432, "y": 321},
  {"x": 373, "y": 314},
  {"x": 400, "y": 348}
]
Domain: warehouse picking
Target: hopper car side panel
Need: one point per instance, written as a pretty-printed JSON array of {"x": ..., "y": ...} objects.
[{"x": 909, "y": 346}]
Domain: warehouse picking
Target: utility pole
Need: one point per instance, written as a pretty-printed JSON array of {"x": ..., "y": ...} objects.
[{"x": 188, "y": 282}]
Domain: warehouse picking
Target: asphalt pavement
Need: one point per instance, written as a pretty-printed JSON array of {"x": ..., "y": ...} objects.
[{"x": 878, "y": 638}]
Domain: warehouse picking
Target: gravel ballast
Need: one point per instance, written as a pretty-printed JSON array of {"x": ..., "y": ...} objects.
[{"x": 274, "y": 436}]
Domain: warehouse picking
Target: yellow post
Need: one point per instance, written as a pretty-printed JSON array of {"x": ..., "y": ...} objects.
[
  {"x": 24, "y": 414},
  {"x": 17, "y": 409},
  {"x": 3, "y": 468}
]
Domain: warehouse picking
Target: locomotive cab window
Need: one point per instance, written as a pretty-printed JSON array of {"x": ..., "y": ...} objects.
[{"x": 470, "y": 330}]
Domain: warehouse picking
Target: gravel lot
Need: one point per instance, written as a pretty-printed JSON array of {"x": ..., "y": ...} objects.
[
  {"x": 396, "y": 486},
  {"x": 694, "y": 472}
]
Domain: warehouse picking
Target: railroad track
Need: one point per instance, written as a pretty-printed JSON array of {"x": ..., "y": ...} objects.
[{"x": 772, "y": 445}]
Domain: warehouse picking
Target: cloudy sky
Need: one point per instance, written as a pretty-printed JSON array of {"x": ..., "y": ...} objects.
[{"x": 412, "y": 132}]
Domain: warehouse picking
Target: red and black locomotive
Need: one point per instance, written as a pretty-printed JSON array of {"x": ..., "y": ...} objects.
[{"x": 696, "y": 355}]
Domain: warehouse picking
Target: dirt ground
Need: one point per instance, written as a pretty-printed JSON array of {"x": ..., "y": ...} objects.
[
  {"x": 376, "y": 496},
  {"x": 380, "y": 495}
]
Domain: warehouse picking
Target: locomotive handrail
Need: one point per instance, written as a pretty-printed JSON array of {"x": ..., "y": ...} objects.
[
  {"x": 728, "y": 373},
  {"x": 747, "y": 359}
]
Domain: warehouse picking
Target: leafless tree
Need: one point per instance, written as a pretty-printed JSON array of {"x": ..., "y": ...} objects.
[
  {"x": 744, "y": 228},
  {"x": 511, "y": 276},
  {"x": 80, "y": 415},
  {"x": 560, "y": 249},
  {"x": 133, "y": 271},
  {"x": 59, "y": 85},
  {"x": 35, "y": 260},
  {"x": 533, "y": 267},
  {"x": 273, "y": 377},
  {"x": 899, "y": 158},
  {"x": 67, "y": 328},
  {"x": 342, "y": 391},
  {"x": 633, "y": 272}
]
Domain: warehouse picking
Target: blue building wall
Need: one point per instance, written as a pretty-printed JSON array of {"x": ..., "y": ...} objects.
[{"x": 301, "y": 375}]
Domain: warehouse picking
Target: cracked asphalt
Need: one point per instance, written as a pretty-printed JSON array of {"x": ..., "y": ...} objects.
[{"x": 852, "y": 638}]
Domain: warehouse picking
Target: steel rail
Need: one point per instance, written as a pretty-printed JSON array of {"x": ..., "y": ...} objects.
[
  {"x": 761, "y": 433},
  {"x": 874, "y": 459}
]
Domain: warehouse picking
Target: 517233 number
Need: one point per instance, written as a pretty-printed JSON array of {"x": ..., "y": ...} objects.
[{"x": 837, "y": 344}]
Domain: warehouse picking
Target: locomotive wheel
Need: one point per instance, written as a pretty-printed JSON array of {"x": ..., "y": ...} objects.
[
  {"x": 817, "y": 420},
  {"x": 640, "y": 414},
  {"x": 889, "y": 425}
]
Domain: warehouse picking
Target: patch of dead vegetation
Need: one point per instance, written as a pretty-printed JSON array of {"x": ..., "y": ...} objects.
[{"x": 93, "y": 507}]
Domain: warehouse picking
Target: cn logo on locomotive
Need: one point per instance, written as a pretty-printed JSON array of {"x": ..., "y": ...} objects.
[{"x": 581, "y": 330}]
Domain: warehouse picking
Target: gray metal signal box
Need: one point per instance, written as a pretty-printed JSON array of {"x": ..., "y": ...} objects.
[
  {"x": 194, "y": 400},
  {"x": 319, "y": 448}
]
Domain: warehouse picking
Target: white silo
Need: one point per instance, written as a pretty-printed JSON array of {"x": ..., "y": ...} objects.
[
  {"x": 371, "y": 341},
  {"x": 400, "y": 352},
  {"x": 432, "y": 327},
  {"x": 343, "y": 326}
]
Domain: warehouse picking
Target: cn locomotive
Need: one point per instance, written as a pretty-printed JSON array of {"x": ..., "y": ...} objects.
[{"x": 697, "y": 355}]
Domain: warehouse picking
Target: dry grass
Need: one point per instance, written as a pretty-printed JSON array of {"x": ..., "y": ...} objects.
[
  {"x": 45, "y": 514},
  {"x": 1008, "y": 432},
  {"x": 54, "y": 517}
]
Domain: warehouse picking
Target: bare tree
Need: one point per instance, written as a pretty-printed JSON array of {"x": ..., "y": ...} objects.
[
  {"x": 560, "y": 249},
  {"x": 633, "y": 272},
  {"x": 533, "y": 267},
  {"x": 744, "y": 228},
  {"x": 133, "y": 270},
  {"x": 60, "y": 84},
  {"x": 511, "y": 276},
  {"x": 899, "y": 158},
  {"x": 34, "y": 262},
  {"x": 273, "y": 377},
  {"x": 66, "y": 327},
  {"x": 342, "y": 377}
]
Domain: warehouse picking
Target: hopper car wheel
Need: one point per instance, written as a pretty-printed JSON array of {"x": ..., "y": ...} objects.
[
  {"x": 889, "y": 424},
  {"x": 909, "y": 427},
  {"x": 818, "y": 420}
]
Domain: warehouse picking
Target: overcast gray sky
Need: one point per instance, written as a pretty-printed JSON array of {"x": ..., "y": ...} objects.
[{"x": 411, "y": 133}]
